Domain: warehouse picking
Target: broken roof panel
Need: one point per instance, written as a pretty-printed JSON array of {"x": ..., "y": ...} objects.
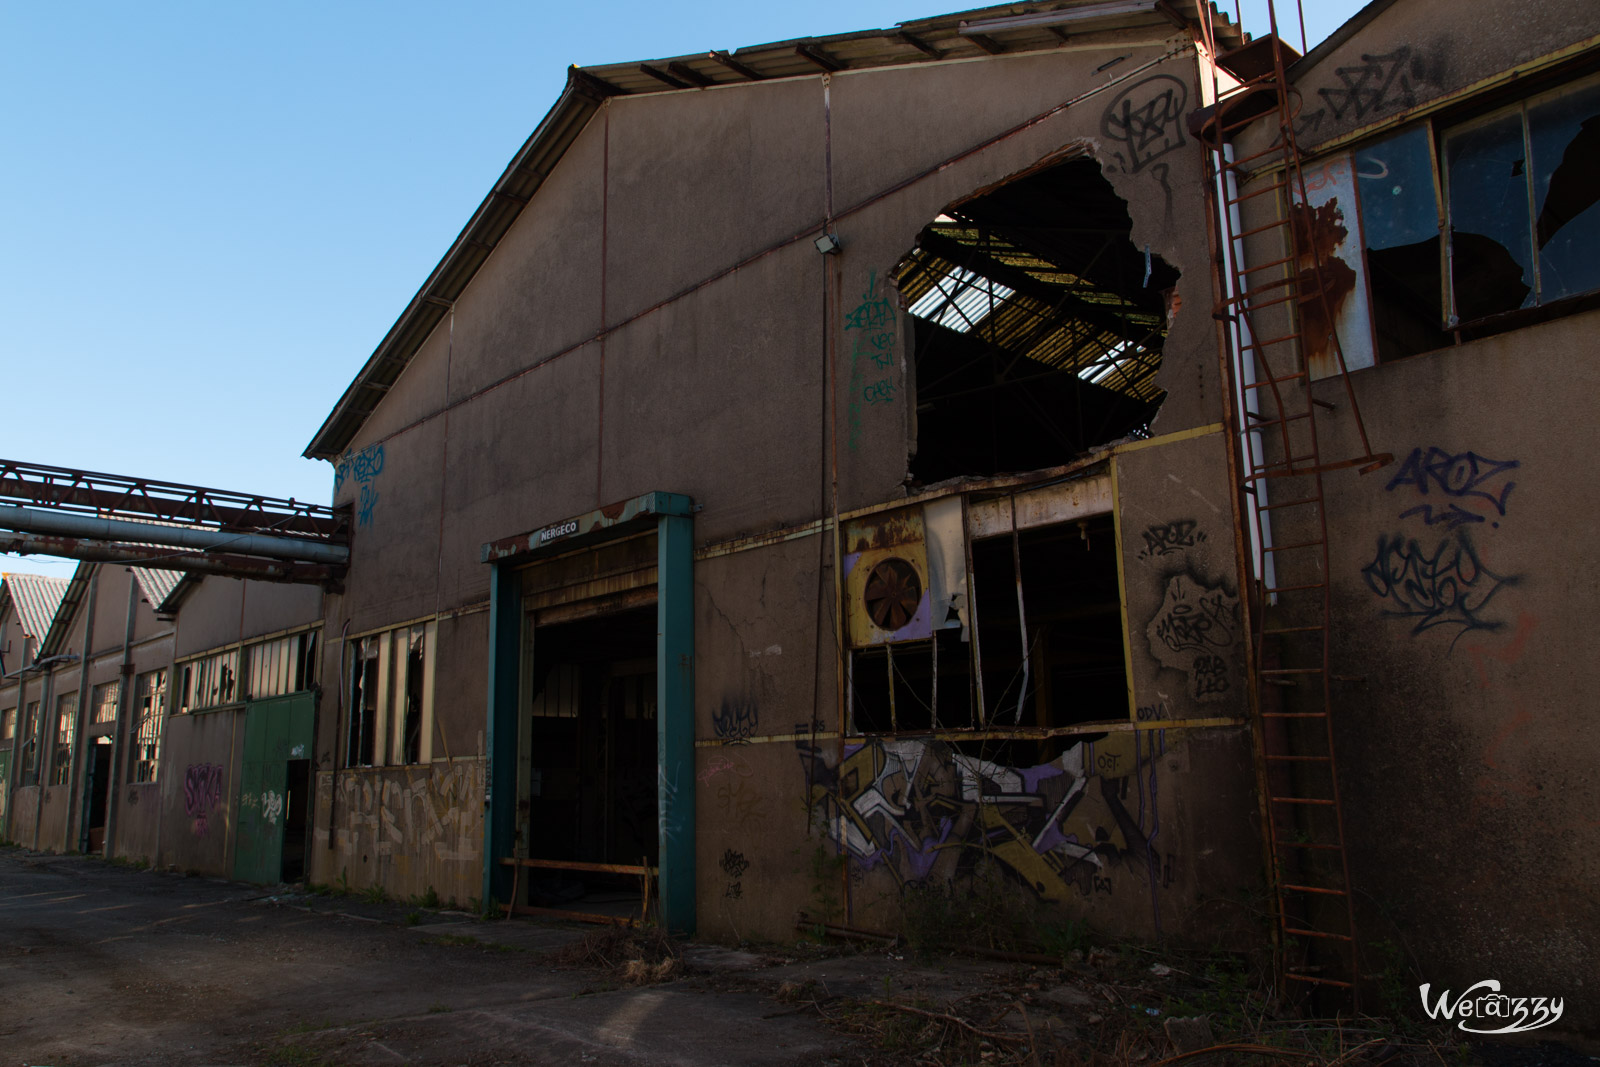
[{"x": 156, "y": 585}]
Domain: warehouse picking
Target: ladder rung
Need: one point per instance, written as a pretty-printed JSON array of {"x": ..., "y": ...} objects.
[
  {"x": 1288, "y": 548},
  {"x": 1276, "y": 381},
  {"x": 1314, "y": 889},
  {"x": 1292, "y": 503},
  {"x": 1241, "y": 161},
  {"x": 1274, "y": 422},
  {"x": 1307, "y": 844},
  {"x": 1295, "y": 630},
  {"x": 1284, "y": 463},
  {"x": 1260, "y": 229},
  {"x": 1293, "y": 588},
  {"x": 1300, "y": 759},
  {"x": 1271, "y": 303},
  {"x": 1292, "y": 931},
  {"x": 1257, "y": 345},
  {"x": 1242, "y": 271},
  {"x": 1291, "y": 670},
  {"x": 1294, "y": 715},
  {"x": 1318, "y": 981},
  {"x": 1273, "y": 187},
  {"x": 1302, "y": 800}
]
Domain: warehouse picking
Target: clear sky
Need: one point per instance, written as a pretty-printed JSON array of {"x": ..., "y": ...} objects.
[{"x": 211, "y": 213}]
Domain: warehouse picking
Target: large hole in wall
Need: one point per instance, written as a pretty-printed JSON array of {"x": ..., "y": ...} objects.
[{"x": 1037, "y": 326}]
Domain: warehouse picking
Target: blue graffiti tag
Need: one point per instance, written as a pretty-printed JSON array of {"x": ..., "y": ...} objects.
[{"x": 363, "y": 467}]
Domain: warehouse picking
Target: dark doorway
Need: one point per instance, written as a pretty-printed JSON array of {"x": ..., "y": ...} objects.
[
  {"x": 99, "y": 789},
  {"x": 590, "y": 777},
  {"x": 297, "y": 802},
  {"x": 1037, "y": 326}
]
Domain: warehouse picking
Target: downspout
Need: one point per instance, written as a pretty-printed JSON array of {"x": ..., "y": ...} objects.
[
  {"x": 16, "y": 743},
  {"x": 119, "y": 743},
  {"x": 76, "y": 779},
  {"x": 45, "y": 695}
]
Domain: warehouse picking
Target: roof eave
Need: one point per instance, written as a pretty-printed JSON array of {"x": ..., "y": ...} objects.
[{"x": 506, "y": 199}]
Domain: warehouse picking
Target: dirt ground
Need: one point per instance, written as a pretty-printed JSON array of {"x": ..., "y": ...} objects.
[{"x": 103, "y": 964}]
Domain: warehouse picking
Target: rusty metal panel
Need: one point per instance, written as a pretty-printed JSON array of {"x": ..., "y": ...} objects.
[
  {"x": 887, "y": 587},
  {"x": 1329, "y": 222},
  {"x": 607, "y": 569},
  {"x": 1040, "y": 507}
]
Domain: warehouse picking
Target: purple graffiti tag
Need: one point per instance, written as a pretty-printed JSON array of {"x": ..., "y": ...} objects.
[{"x": 202, "y": 793}]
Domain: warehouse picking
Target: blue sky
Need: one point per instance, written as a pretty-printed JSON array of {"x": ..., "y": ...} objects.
[{"x": 211, "y": 213}]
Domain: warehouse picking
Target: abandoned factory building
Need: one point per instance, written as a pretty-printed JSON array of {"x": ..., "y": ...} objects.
[{"x": 1066, "y": 451}]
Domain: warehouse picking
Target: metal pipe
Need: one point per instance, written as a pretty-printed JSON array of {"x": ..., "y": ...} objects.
[
  {"x": 155, "y": 556},
  {"x": 68, "y": 524}
]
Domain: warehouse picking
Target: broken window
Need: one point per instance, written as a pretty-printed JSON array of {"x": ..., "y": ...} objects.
[
  {"x": 105, "y": 702},
  {"x": 61, "y": 761},
  {"x": 211, "y": 681},
  {"x": 1522, "y": 186},
  {"x": 361, "y": 742},
  {"x": 151, "y": 704},
  {"x": 1047, "y": 642},
  {"x": 390, "y": 711},
  {"x": 1037, "y": 326},
  {"x": 8, "y": 724},
  {"x": 1400, "y": 231},
  {"x": 30, "y": 745}
]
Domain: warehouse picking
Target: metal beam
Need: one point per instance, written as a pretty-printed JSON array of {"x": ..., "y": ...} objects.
[
  {"x": 70, "y": 524},
  {"x": 145, "y": 498}
]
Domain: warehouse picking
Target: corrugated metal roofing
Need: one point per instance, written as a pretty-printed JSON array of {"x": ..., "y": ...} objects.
[
  {"x": 156, "y": 585},
  {"x": 36, "y": 598},
  {"x": 929, "y": 40}
]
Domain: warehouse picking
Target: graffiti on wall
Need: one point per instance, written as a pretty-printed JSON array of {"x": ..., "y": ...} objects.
[
  {"x": 1194, "y": 632},
  {"x": 363, "y": 467},
  {"x": 870, "y": 330},
  {"x": 1362, "y": 91},
  {"x": 923, "y": 812},
  {"x": 437, "y": 812},
  {"x": 734, "y": 865},
  {"x": 1166, "y": 538},
  {"x": 735, "y": 723},
  {"x": 1442, "y": 585},
  {"x": 1439, "y": 580},
  {"x": 1146, "y": 120},
  {"x": 202, "y": 794}
]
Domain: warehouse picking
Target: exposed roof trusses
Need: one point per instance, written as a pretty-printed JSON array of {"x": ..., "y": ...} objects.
[{"x": 932, "y": 40}]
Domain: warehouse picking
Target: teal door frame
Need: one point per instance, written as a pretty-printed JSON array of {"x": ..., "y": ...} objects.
[{"x": 672, "y": 514}]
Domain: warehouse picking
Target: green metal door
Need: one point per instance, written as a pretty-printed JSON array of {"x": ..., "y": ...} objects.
[{"x": 275, "y": 732}]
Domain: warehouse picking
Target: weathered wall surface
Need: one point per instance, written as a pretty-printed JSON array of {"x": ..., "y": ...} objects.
[
  {"x": 224, "y": 610},
  {"x": 407, "y": 829},
  {"x": 138, "y": 833},
  {"x": 1411, "y": 54},
  {"x": 199, "y": 790},
  {"x": 1461, "y": 576},
  {"x": 720, "y": 394}
]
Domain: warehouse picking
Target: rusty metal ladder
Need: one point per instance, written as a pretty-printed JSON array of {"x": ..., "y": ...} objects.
[{"x": 1279, "y": 464}]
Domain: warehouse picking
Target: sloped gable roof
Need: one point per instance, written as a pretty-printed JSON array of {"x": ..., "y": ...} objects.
[
  {"x": 929, "y": 40},
  {"x": 36, "y": 598}
]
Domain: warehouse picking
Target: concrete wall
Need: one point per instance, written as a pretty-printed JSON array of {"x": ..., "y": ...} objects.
[
  {"x": 200, "y": 757},
  {"x": 221, "y": 611},
  {"x": 407, "y": 829},
  {"x": 720, "y": 394},
  {"x": 1464, "y": 737}
]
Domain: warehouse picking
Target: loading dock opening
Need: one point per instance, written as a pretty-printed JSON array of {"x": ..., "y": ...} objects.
[{"x": 563, "y": 584}]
